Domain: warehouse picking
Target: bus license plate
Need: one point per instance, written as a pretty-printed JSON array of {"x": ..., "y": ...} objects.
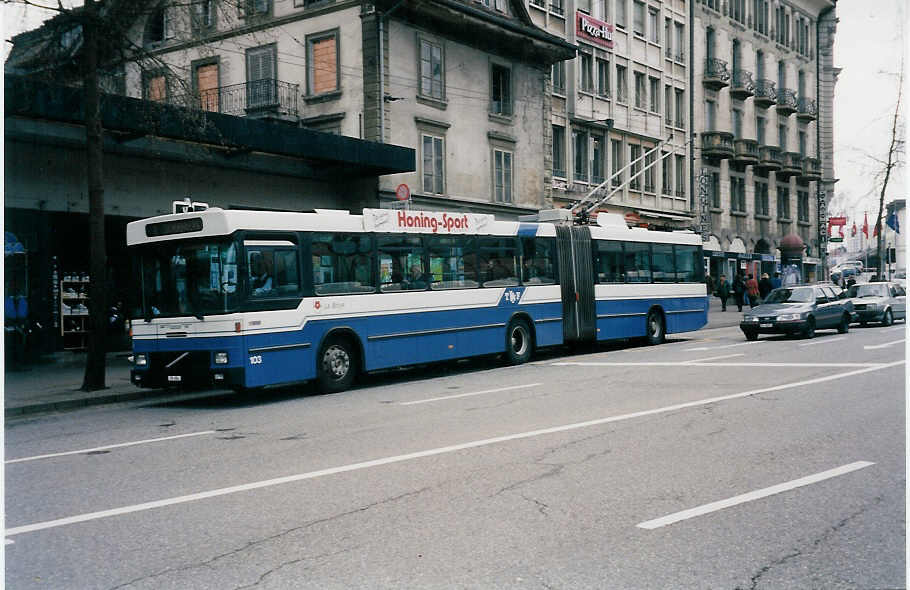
[
  {"x": 766, "y": 325},
  {"x": 174, "y": 378}
]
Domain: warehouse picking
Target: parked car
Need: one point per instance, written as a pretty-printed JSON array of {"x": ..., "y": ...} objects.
[
  {"x": 878, "y": 302},
  {"x": 800, "y": 309}
]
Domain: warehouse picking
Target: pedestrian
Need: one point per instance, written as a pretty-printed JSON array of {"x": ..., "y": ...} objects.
[
  {"x": 723, "y": 291},
  {"x": 850, "y": 282},
  {"x": 709, "y": 283},
  {"x": 764, "y": 286},
  {"x": 775, "y": 282},
  {"x": 752, "y": 290},
  {"x": 739, "y": 289}
]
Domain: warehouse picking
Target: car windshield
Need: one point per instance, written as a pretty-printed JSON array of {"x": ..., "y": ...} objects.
[
  {"x": 800, "y": 295},
  {"x": 869, "y": 290},
  {"x": 179, "y": 278}
]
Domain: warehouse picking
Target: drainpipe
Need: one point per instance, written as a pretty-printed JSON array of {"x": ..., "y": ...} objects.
[
  {"x": 692, "y": 105},
  {"x": 822, "y": 253}
]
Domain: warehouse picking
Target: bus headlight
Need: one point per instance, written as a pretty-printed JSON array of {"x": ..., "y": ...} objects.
[
  {"x": 221, "y": 358},
  {"x": 141, "y": 360}
]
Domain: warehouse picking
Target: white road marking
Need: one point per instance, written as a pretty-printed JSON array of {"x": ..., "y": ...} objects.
[
  {"x": 823, "y": 341},
  {"x": 703, "y": 364},
  {"x": 714, "y": 358},
  {"x": 750, "y": 496},
  {"x": 886, "y": 344},
  {"x": 38, "y": 526},
  {"x": 436, "y": 399},
  {"x": 126, "y": 444},
  {"x": 725, "y": 346}
]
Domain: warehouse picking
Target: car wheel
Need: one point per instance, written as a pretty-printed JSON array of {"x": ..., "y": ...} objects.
[
  {"x": 751, "y": 335},
  {"x": 888, "y": 318},
  {"x": 863, "y": 323},
  {"x": 809, "y": 330},
  {"x": 337, "y": 365},
  {"x": 844, "y": 326},
  {"x": 518, "y": 342},
  {"x": 655, "y": 330}
]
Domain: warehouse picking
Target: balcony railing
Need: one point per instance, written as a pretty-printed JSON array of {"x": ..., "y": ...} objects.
[
  {"x": 769, "y": 157},
  {"x": 745, "y": 151},
  {"x": 806, "y": 109},
  {"x": 812, "y": 169},
  {"x": 792, "y": 165},
  {"x": 255, "y": 98},
  {"x": 716, "y": 74},
  {"x": 717, "y": 144},
  {"x": 786, "y": 101},
  {"x": 742, "y": 86},
  {"x": 765, "y": 93}
]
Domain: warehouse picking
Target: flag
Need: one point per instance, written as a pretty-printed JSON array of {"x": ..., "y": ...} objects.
[
  {"x": 853, "y": 231},
  {"x": 875, "y": 231},
  {"x": 893, "y": 223},
  {"x": 866, "y": 225}
]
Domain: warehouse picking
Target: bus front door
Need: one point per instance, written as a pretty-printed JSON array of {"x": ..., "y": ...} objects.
[{"x": 576, "y": 277}]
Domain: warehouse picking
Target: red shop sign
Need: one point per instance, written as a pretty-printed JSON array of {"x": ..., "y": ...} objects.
[{"x": 593, "y": 30}]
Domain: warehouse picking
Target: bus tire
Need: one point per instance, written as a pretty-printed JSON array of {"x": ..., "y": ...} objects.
[
  {"x": 655, "y": 329},
  {"x": 336, "y": 366},
  {"x": 518, "y": 342}
]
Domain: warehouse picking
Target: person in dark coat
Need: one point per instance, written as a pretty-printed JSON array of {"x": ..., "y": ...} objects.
[
  {"x": 764, "y": 286},
  {"x": 776, "y": 282},
  {"x": 739, "y": 290},
  {"x": 723, "y": 291}
]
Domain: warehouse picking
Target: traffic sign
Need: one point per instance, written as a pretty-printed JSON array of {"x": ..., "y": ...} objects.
[{"x": 402, "y": 193}]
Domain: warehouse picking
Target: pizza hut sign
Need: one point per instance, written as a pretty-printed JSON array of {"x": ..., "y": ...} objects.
[{"x": 594, "y": 30}]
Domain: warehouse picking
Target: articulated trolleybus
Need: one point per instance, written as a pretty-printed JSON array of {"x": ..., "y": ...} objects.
[{"x": 247, "y": 299}]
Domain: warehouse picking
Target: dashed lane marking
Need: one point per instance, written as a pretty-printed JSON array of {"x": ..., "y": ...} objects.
[
  {"x": 885, "y": 345},
  {"x": 104, "y": 448},
  {"x": 445, "y": 397},
  {"x": 824, "y": 341}
]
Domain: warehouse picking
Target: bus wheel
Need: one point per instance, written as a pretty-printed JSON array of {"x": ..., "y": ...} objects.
[
  {"x": 518, "y": 342},
  {"x": 337, "y": 365},
  {"x": 655, "y": 328}
]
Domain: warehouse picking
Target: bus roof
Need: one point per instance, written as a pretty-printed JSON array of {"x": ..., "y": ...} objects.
[{"x": 220, "y": 222}]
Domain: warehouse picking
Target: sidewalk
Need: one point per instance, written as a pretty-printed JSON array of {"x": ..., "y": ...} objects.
[{"x": 53, "y": 384}]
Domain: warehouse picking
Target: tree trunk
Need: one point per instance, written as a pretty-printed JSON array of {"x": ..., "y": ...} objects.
[
  {"x": 892, "y": 162},
  {"x": 95, "y": 362}
]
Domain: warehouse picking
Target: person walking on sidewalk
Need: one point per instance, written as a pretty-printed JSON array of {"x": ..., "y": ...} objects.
[
  {"x": 723, "y": 291},
  {"x": 752, "y": 290},
  {"x": 739, "y": 289},
  {"x": 764, "y": 285}
]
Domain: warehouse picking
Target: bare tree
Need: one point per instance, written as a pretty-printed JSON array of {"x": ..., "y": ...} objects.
[{"x": 894, "y": 160}]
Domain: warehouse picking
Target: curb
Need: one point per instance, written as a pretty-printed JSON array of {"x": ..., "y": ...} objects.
[{"x": 112, "y": 398}]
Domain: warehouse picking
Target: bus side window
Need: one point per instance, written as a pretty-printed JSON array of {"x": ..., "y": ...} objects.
[
  {"x": 663, "y": 268},
  {"x": 341, "y": 263},
  {"x": 538, "y": 261},
  {"x": 688, "y": 261},
  {"x": 609, "y": 261},
  {"x": 401, "y": 263},
  {"x": 637, "y": 262},
  {"x": 452, "y": 264},
  {"x": 498, "y": 258}
]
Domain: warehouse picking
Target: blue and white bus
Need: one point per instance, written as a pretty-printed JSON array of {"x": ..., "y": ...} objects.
[{"x": 246, "y": 299}]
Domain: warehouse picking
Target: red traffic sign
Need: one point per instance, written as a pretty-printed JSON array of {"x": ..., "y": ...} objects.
[{"x": 402, "y": 193}]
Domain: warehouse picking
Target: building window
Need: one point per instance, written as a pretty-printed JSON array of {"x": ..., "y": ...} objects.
[
  {"x": 738, "y": 10},
  {"x": 616, "y": 161},
  {"x": 501, "y": 90},
  {"x": 502, "y": 176},
  {"x": 653, "y": 30},
  {"x": 710, "y": 115},
  {"x": 802, "y": 143},
  {"x": 665, "y": 175},
  {"x": 680, "y": 108},
  {"x": 760, "y": 16},
  {"x": 580, "y": 143},
  {"x": 597, "y": 160},
  {"x": 737, "y": 194},
  {"x": 603, "y": 77},
  {"x": 559, "y": 77},
  {"x": 654, "y": 92},
  {"x": 649, "y": 172},
  {"x": 249, "y": 8},
  {"x": 680, "y": 168},
  {"x": 156, "y": 88},
  {"x": 640, "y": 91},
  {"x": 680, "y": 42},
  {"x": 622, "y": 90},
  {"x": 621, "y": 16},
  {"x": 586, "y": 73},
  {"x": 802, "y": 205},
  {"x": 203, "y": 14},
  {"x": 714, "y": 189},
  {"x": 634, "y": 176},
  {"x": 432, "y": 84},
  {"x": 668, "y": 104},
  {"x": 206, "y": 86},
  {"x": 761, "y": 198},
  {"x": 559, "y": 151},
  {"x": 160, "y": 26},
  {"x": 760, "y": 130},
  {"x": 737, "y": 116},
  {"x": 782, "y": 136},
  {"x": 433, "y": 160},
  {"x": 638, "y": 18},
  {"x": 668, "y": 38},
  {"x": 322, "y": 63},
  {"x": 783, "y": 202},
  {"x": 261, "y": 90}
]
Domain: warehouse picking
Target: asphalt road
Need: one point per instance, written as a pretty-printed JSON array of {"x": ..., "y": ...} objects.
[{"x": 707, "y": 462}]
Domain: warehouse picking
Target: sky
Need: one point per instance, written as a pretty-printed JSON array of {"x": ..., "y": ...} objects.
[{"x": 869, "y": 45}]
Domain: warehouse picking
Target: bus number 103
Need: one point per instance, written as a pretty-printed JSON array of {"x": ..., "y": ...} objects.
[{"x": 256, "y": 359}]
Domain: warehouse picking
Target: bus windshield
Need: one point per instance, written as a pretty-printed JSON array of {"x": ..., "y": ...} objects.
[{"x": 196, "y": 278}]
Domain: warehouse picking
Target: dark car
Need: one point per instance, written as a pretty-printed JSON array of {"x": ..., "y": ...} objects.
[
  {"x": 878, "y": 302},
  {"x": 800, "y": 309}
]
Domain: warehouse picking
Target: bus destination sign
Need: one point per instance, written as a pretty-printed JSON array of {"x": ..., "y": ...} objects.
[
  {"x": 178, "y": 226},
  {"x": 431, "y": 222}
]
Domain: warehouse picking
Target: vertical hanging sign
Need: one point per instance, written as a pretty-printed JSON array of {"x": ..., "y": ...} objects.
[{"x": 704, "y": 213}]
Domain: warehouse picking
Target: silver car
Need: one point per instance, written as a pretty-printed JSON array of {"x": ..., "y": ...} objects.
[
  {"x": 878, "y": 302},
  {"x": 800, "y": 309}
]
